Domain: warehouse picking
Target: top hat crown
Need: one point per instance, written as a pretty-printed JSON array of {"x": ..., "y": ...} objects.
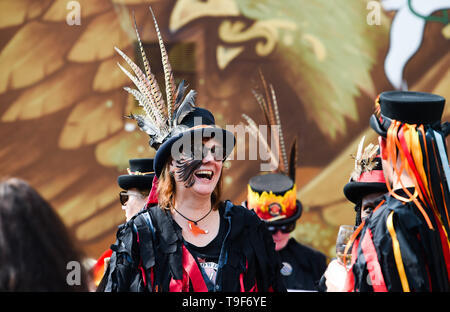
[
  {"x": 407, "y": 107},
  {"x": 140, "y": 175}
]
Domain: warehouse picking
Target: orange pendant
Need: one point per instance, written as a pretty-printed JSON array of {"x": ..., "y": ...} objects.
[{"x": 195, "y": 229}]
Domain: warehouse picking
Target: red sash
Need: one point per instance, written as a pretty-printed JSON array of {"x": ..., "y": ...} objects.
[
  {"x": 373, "y": 265},
  {"x": 191, "y": 272}
]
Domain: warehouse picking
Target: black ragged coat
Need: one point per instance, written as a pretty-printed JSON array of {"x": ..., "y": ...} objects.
[{"x": 148, "y": 253}]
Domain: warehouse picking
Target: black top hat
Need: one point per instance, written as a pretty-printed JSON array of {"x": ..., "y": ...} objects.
[
  {"x": 198, "y": 123},
  {"x": 368, "y": 182},
  {"x": 408, "y": 107},
  {"x": 273, "y": 197},
  {"x": 140, "y": 175}
]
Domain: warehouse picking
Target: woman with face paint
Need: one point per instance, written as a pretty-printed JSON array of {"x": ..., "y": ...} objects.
[{"x": 191, "y": 240}]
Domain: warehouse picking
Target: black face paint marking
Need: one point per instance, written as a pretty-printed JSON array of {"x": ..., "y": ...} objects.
[{"x": 186, "y": 169}]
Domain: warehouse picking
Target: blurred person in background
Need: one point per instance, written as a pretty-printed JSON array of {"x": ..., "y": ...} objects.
[
  {"x": 37, "y": 251},
  {"x": 137, "y": 185},
  {"x": 366, "y": 189},
  {"x": 273, "y": 197},
  {"x": 408, "y": 233}
]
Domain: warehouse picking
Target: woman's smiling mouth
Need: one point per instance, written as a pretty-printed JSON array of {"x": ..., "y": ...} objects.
[{"x": 204, "y": 174}]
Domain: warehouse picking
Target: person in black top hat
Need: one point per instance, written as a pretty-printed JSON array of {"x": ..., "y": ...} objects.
[
  {"x": 137, "y": 185},
  {"x": 273, "y": 196},
  {"x": 367, "y": 185},
  {"x": 403, "y": 245},
  {"x": 191, "y": 240},
  {"x": 366, "y": 189}
]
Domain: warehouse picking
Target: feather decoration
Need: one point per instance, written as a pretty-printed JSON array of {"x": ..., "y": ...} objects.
[
  {"x": 359, "y": 152},
  {"x": 269, "y": 107},
  {"x": 141, "y": 48},
  {"x": 145, "y": 100},
  {"x": 185, "y": 107},
  {"x": 262, "y": 104},
  {"x": 143, "y": 123},
  {"x": 142, "y": 102},
  {"x": 254, "y": 130},
  {"x": 271, "y": 116},
  {"x": 293, "y": 159},
  {"x": 154, "y": 87},
  {"x": 160, "y": 120},
  {"x": 282, "y": 148},
  {"x": 168, "y": 74},
  {"x": 144, "y": 86},
  {"x": 364, "y": 160},
  {"x": 180, "y": 93}
]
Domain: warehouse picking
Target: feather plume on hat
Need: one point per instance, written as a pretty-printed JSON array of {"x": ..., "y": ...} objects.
[
  {"x": 269, "y": 106},
  {"x": 364, "y": 160},
  {"x": 161, "y": 117}
]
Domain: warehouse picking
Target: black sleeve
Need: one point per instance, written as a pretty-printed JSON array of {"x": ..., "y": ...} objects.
[
  {"x": 276, "y": 281},
  {"x": 123, "y": 266},
  {"x": 268, "y": 261}
]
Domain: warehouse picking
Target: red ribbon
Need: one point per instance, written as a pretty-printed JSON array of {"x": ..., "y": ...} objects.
[
  {"x": 241, "y": 281},
  {"x": 153, "y": 196},
  {"x": 191, "y": 272},
  {"x": 373, "y": 266}
]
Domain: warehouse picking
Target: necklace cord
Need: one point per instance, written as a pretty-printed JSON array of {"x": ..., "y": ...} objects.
[{"x": 195, "y": 222}]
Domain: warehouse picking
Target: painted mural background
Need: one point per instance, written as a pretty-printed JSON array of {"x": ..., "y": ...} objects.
[{"x": 62, "y": 103}]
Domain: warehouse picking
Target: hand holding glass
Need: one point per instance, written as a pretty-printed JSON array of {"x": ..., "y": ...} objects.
[{"x": 345, "y": 232}]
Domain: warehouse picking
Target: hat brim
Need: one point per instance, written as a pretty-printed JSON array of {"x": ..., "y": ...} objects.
[
  {"x": 164, "y": 151},
  {"x": 355, "y": 191},
  {"x": 378, "y": 127},
  {"x": 141, "y": 182}
]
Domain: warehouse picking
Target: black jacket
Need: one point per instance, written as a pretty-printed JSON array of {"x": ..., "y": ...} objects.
[
  {"x": 420, "y": 250},
  {"x": 302, "y": 266},
  {"x": 247, "y": 256}
]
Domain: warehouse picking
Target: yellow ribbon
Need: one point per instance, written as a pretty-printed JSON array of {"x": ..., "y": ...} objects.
[{"x": 397, "y": 253}]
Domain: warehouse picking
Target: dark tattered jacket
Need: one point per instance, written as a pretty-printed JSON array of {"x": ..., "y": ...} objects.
[{"x": 150, "y": 255}]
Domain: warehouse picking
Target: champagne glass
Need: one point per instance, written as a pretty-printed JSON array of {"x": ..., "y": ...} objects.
[{"x": 345, "y": 232}]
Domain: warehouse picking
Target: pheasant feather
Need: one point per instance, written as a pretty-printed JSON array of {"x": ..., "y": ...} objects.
[
  {"x": 185, "y": 108},
  {"x": 282, "y": 149},
  {"x": 146, "y": 101},
  {"x": 143, "y": 123},
  {"x": 144, "y": 86},
  {"x": 293, "y": 159},
  {"x": 254, "y": 130},
  {"x": 269, "y": 107},
  {"x": 154, "y": 88},
  {"x": 168, "y": 75},
  {"x": 158, "y": 122},
  {"x": 268, "y": 97},
  {"x": 262, "y": 104}
]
